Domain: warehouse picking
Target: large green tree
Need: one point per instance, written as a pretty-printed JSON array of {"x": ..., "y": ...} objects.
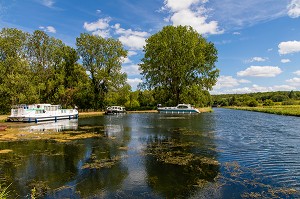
[
  {"x": 102, "y": 58},
  {"x": 15, "y": 86},
  {"x": 178, "y": 59}
]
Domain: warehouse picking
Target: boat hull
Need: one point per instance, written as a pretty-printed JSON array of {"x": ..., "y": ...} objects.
[
  {"x": 42, "y": 118},
  {"x": 175, "y": 111},
  {"x": 179, "y": 109}
]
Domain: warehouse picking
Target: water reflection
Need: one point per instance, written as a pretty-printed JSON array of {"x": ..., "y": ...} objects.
[
  {"x": 214, "y": 155},
  {"x": 58, "y": 126}
]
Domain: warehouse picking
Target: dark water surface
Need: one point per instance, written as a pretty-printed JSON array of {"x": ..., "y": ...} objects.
[{"x": 224, "y": 154}]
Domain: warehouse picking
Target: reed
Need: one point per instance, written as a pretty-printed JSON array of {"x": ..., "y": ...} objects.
[{"x": 4, "y": 192}]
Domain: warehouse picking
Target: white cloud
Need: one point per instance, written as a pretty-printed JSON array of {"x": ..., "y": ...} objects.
[
  {"x": 285, "y": 61},
  {"x": 228, "y": 82},
  {"x": 260, "y": 71},
  {"x": 191, "y": 13},
  {"x": 244, "y": 81},
  {"x": 102, "y": 33},
  {"x": 283, "y": 88},
  {"x": 297, "y": 72},
  {"x": 294, "y": 9},
  {"x": 48, "y": 3},
  {"x": 175, "y": 5},
  {"x": 122, "y": 31},
  {"x": 132, "y": 69},
  {"x": 289, "y": 47},
  {"x": 294, "y": 81},
  {"x": 134, "y": 82},
  {"x": 131, "y": 53},
  {"x": 135, "y": 40},
  {"x": 257, "y": 59},
  {"x": 100, "y": 27},
  {"x": 50, "y": 29},
  {"x": 126, "y": 60}
]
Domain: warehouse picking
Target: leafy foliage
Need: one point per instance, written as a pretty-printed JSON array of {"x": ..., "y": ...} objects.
[
  {"x": 178, "y": 59},
  {"x": 102, "y": 58},
  {"x": 37, "y": 68}
]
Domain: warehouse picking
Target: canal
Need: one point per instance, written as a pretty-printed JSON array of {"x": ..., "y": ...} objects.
[{"x": 224, "y": 154}]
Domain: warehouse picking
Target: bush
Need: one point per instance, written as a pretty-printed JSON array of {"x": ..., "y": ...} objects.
[
  {"x": 268, "y": 102},
  {"x": 253, "y": 103}
]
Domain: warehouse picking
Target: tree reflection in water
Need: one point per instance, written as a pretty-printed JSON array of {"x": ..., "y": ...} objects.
[{"x": 180, "y": 165}]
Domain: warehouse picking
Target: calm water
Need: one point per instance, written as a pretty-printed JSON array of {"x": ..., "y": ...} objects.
[{"x": 224, "y": 154}]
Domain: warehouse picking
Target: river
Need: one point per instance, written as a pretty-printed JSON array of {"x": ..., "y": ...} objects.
[{"x": 223, "y": 154}]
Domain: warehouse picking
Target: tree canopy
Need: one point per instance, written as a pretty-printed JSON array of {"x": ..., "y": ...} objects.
[
  {"x": 102, "y": 58},
  {"x": 38, "y": 68},
  {"x": 178, "y": 61}
]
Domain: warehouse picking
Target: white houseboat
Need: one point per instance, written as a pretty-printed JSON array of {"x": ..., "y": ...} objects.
[
  {"x": 115, "y": 110},
  {"x": 40, "y": 112},
  {"x": 179, "y": 109}
]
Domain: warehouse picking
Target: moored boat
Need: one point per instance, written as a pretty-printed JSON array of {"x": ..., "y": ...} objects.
[
  {"x": 40, "y": 112},
  {"x": 115, "y": 110},
  {"x": 179, "y": 109}
]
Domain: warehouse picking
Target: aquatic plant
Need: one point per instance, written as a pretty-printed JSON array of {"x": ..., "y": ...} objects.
[{"x": 4, "y": 193}]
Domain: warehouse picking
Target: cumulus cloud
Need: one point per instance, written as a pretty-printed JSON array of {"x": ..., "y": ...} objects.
[
  {"x": 132, "y": 69},
  {"x": 294, "y": 9},
  {"x": 294, "y": 81},
  {"x": 289, "y": 47},
  {"x": 283, "y": 88},
  {"x": 100, "y": 27},
  {"x": 285, "y": 61},
  {"x": 50, "y": 29},
  {"x": 134, "y": 82},
  {"x": 260, "y": 71},
  {"x": 131, "y": 53},
  {"x": 191, "y": 13},
  {"x": 297, "y": 72},
  {"x": 134, "y": 40},
  {"x": 228, "y": 82}
]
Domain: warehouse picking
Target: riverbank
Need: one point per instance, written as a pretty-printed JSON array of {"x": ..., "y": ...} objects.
[{"x": 290, "y": 110}]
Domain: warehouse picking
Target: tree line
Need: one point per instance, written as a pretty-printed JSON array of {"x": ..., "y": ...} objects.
[
  {"x": 256, "y": 99},
  {"x": 178, "y": 67}
]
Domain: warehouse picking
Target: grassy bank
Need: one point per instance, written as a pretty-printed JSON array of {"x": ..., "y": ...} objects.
[{"x": 292, "y": 110}]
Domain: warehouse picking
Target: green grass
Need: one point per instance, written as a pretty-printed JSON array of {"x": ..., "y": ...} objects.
[{"x": 292, "y": 110}]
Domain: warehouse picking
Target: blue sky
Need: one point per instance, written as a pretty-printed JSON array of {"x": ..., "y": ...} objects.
[{"x": 258, "y": 41}]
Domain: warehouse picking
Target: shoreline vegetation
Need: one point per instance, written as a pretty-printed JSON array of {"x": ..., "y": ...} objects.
[{"x": 288, "y": 110}]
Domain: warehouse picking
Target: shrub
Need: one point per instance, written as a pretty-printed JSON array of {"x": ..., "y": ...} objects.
[{"x": 268, "y": 102}]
